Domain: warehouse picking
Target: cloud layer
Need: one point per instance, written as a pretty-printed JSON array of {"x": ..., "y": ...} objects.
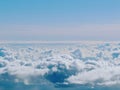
[{"x": 88, "y": 63}]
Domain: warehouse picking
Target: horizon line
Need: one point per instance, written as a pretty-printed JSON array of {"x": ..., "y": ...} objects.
[{"x": 59, "y": 41}]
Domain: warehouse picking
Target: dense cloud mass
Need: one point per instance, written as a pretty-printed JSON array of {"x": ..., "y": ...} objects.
[{"x": 95, "y": 63}]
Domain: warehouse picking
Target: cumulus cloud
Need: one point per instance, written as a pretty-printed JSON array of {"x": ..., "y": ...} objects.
[{"x": 94, "y": 63}]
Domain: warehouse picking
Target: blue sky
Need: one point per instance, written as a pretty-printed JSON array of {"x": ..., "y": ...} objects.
[{"x": 59, "y": 19}]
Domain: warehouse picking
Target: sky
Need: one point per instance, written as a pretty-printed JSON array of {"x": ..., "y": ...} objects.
[{"x": 59, "y": 20}]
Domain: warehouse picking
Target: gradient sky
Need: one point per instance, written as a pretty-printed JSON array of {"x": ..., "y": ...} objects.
[{"x": 59, "y": 19}]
